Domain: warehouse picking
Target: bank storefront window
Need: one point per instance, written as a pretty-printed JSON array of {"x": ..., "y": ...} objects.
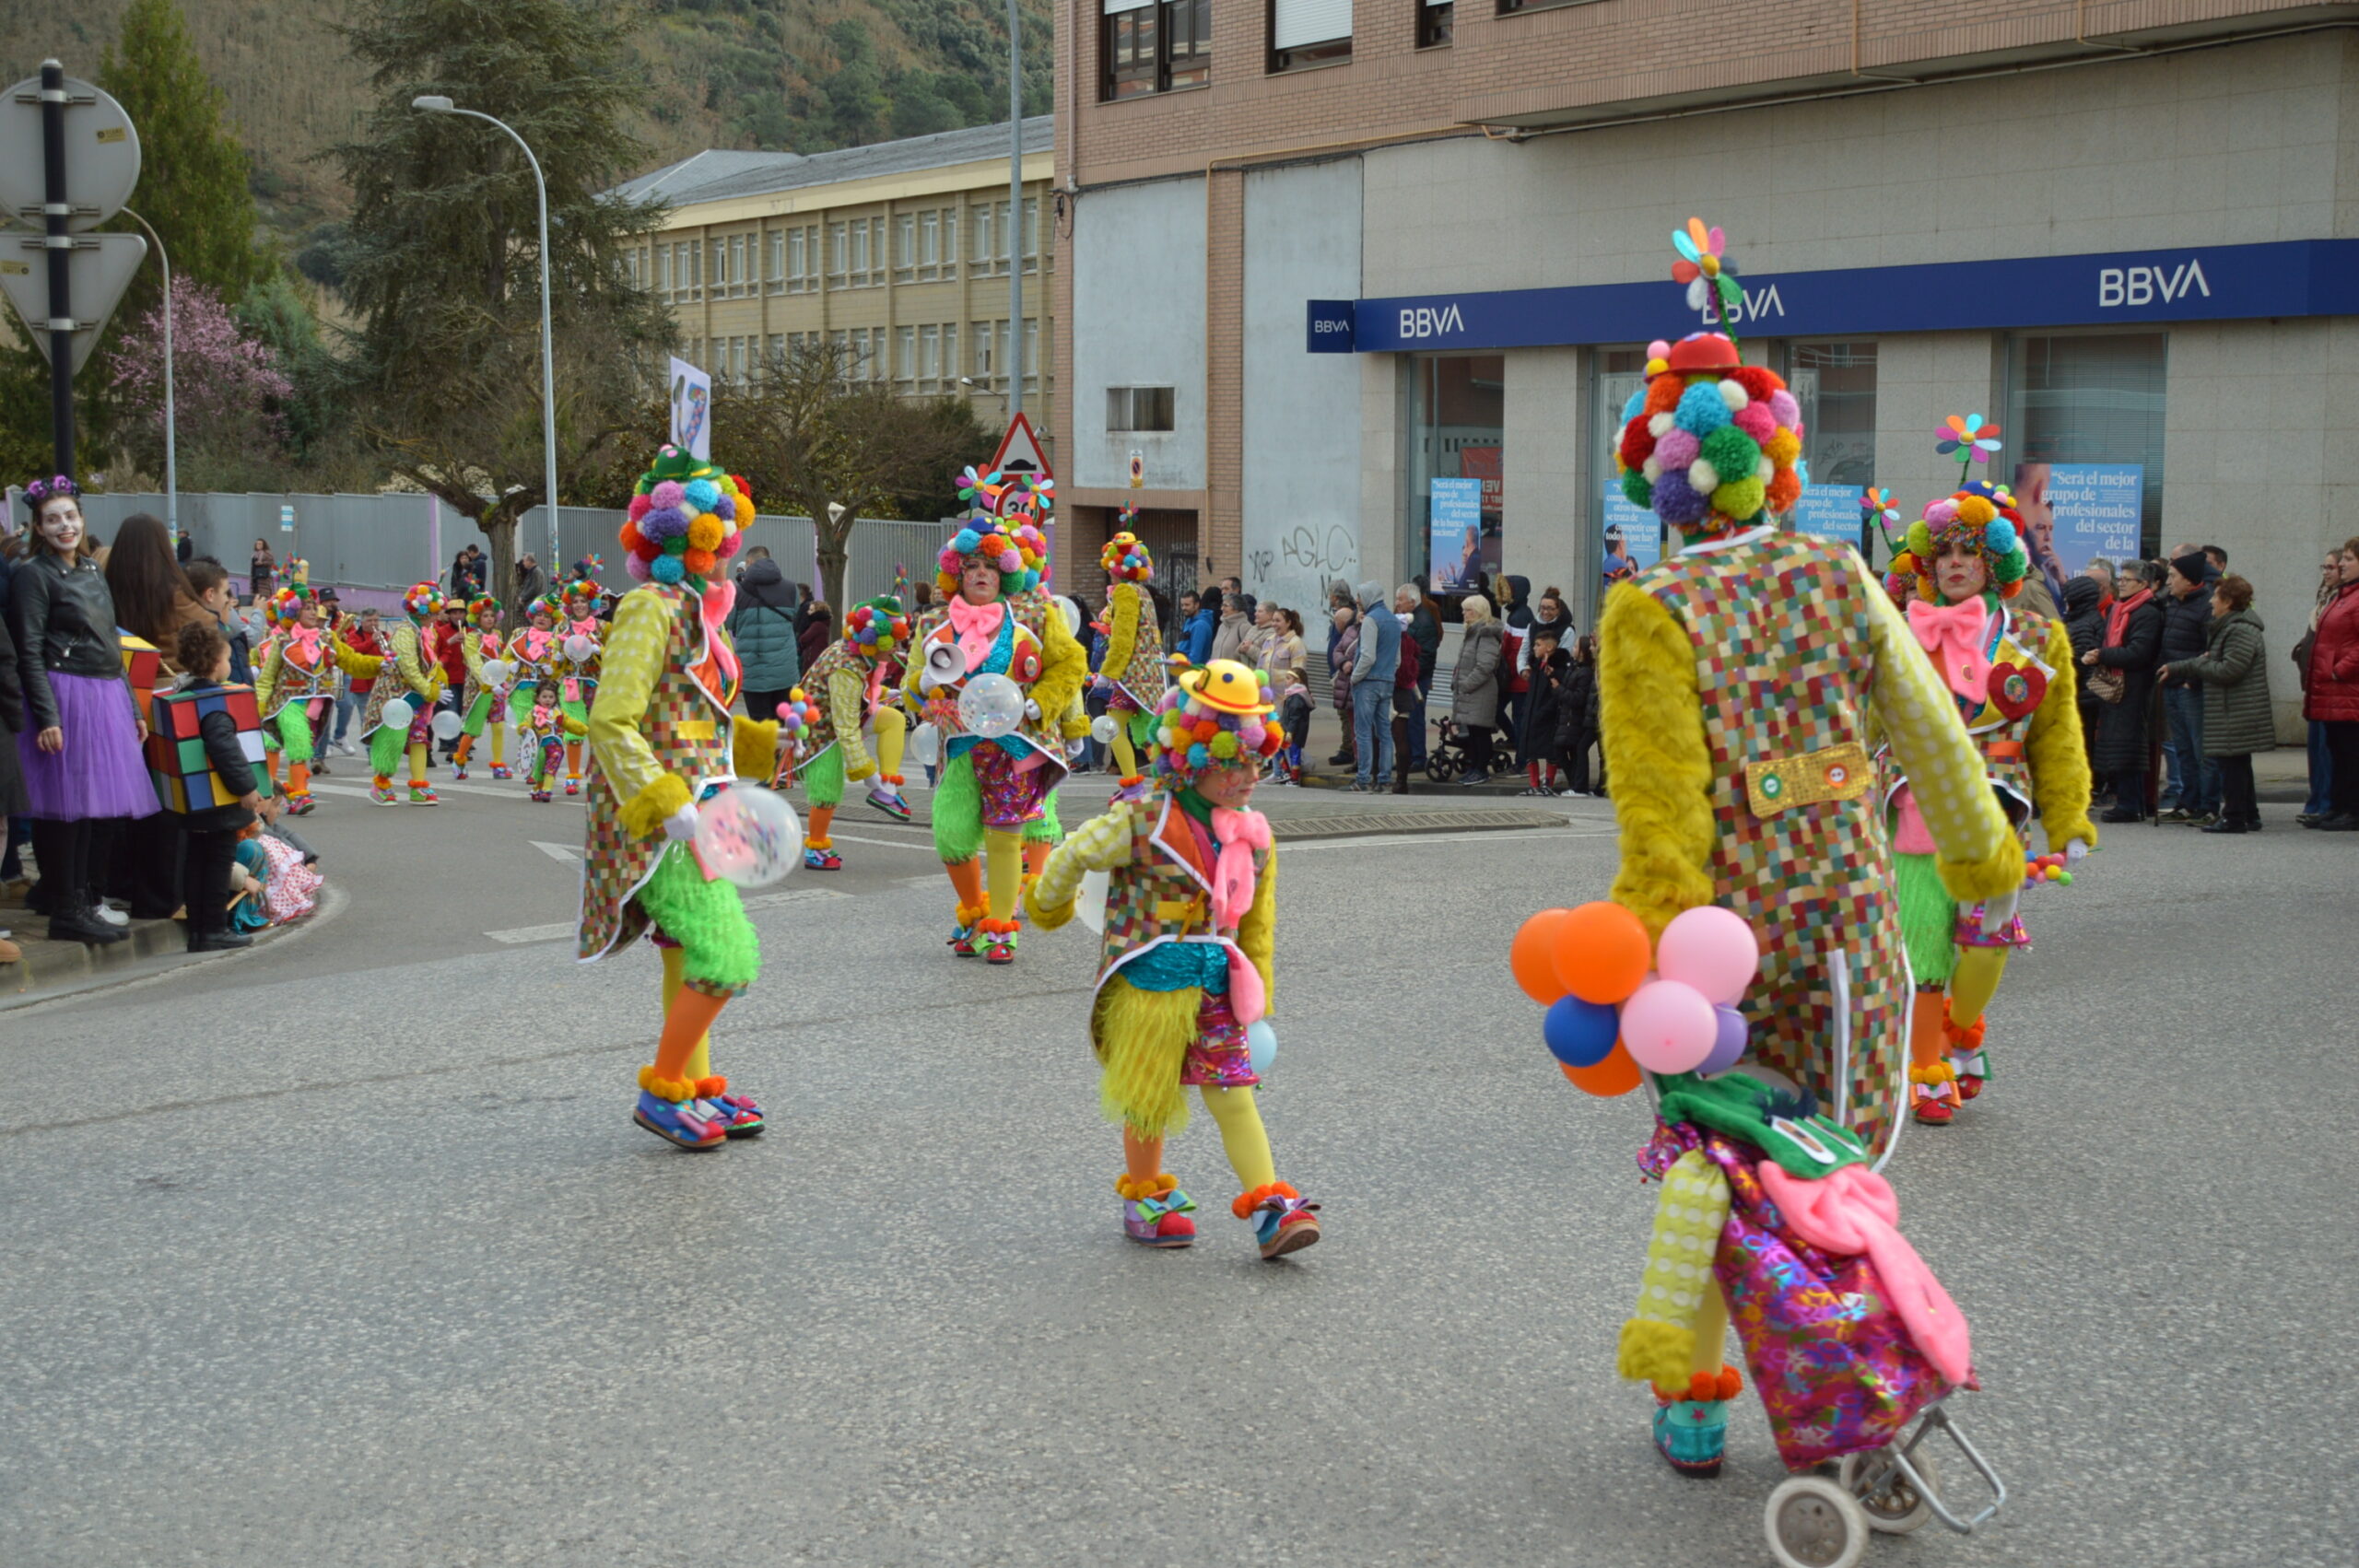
[
  {"x": 1457, "y": 447},
  {"x": 2084, "y": 429}
]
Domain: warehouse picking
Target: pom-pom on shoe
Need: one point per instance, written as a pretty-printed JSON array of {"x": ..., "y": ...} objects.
[
  {"x": 1283, "y": 1222},
  {"x": 541, "y": 797},
  {"x": 821, "y": 857},
  {"x": 739, "y": 1117},
  {"x": 965, "y": 923},
  {"x": 886, "y": 796},
  {"x": 1155, "y": 1213},
  {"x": 1133, "y": 788}
]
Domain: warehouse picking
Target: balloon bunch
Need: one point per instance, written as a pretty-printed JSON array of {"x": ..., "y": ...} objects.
[
  {"x": 797, "y": 714},
  {"x": 1615, "y": 1008},
  {"x": 2046, "y": 868},
  {"x": 1193, "y": 733},
  {"x": 1983, "y": 517},
  {"x": 424, "y": 601},
  {"x": 875, "y": 632},
  {"x": 1018, "y": 554},
  {"x": 1125, "y": 559},
  {"x": 684, "y": 520}
]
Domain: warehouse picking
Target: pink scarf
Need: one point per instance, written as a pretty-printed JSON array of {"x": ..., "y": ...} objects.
[
  {"x": 1953, "y": 634},
  {"x": 977, "y": 627},
  {"x": 1240, "y": 835},
  {"x": 1853, "y": 1211}
]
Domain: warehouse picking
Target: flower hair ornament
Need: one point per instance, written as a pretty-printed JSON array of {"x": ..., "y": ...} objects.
[
  {"x": 1211, "y": 718},
  {"x": 41, "y": 492},
  {"x": 982, "y": 491},
  {"x": 1126, "y": 559},
  {"x": 686, "y": 518},
  {"x": 1010, "y": 546},
  {"x": 424, "y": 601},
  {"x": 1984, "y": 519}
]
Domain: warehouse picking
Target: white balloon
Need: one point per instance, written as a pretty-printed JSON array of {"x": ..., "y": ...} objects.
[
  {"x": 396, "y": 713},
  {"x": 1102, "y": 729},
  {"x": 578, "y": 648},
  {"x": 992, "y": 705},
  {"x": 750, "y": 836},
  {"x": 925, "y": 744},
  {"x": 1261, "y": 1045},
  {"x": 495, "y": 672},
  {"x": 446, "y": 725},
  {"x": 1072, "y": 614}
]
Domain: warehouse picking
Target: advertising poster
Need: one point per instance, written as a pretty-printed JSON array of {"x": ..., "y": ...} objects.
[
  {"x": 2075, "y": 512},
  {"x": 1633, "y": 535},
  {"x": 1831, "y": 511},
  {"x": 692, "y": 410},
  {"x": 1455, "y": 545}
]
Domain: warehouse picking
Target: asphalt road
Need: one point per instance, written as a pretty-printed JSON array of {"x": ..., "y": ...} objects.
[{"x": 345, "y": 1251}]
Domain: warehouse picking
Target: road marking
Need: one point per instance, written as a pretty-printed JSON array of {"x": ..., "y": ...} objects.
[
  {"x": 331, "y": 787},
  {"x": 563, "y": 854},
  {"x": 887, "y": 843},
  {"x": 1494, "y": 835},
  {"x": 564, "y": 931}
]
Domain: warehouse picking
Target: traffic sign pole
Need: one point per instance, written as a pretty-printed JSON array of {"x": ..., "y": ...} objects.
[{"x": 57, "y": 213}]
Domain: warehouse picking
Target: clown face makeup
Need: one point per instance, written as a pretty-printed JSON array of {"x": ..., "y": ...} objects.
[
  {"x": 60, "y": 525},
  {"x": 1960, "y": 571},
  {"x": 1229, "y": 786},
  {"x": 978, "y": 583}
]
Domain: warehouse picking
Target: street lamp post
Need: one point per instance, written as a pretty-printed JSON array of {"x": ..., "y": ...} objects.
[
  {"x": 435, "y": 103},
  {"x": 171, "y": 437},
  {"x": 1014, "y": 214}
]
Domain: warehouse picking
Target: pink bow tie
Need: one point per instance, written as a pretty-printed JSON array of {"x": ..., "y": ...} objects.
[
  {"x": 1953, "y": 634},
  {"x": 976, "y": 626}
]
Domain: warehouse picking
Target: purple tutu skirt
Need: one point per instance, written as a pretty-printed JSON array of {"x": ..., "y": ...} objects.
[{"x": 100, "y": 773}]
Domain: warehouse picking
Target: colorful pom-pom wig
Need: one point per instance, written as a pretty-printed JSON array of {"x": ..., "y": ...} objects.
[
  {"x": 1983, "y": 517},
  {"x": 686, "y": 517},
  {"x": 1126, "y": 559},
  {"x": 1010, "y": 546},
  {"x": 876, "y": 626},
  {"x": 282, "y": 607},
  {"x": 479, "y": 603},
  {"x": 424, "y": 601},
  {"x": 1711, "y": 445},
  {"x": 1211, "y": 718}
]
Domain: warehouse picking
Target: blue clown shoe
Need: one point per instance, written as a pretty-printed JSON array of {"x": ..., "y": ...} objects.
[{"x": 679, "y": 1121}]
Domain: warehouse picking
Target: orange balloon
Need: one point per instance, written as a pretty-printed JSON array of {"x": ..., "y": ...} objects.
[
  {"x": 1533, "y": 956},
  {"x": 1617, "y": 1074},
  {"x": 1602, "y": 953}
]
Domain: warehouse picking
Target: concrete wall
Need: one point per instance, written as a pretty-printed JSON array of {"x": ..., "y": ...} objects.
[
  {"x": 1301, "y": 427},
  {"x": 1138, "y": 315},
  {"x": 1544, "y": 529}
]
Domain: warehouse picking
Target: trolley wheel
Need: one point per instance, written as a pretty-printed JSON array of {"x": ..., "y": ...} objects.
[
  {"x": 1892, "y": 1503},
  {"x": 1437, "y": 768},
  {"x": 1814, "y": 1523}
]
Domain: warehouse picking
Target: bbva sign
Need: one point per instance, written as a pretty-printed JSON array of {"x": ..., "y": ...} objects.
[
  {"x": 2118, "y": 286},
  {"x": 1429, "y": 321}
]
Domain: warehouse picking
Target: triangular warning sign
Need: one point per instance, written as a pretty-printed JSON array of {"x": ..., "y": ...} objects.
[{"x": 1019, "y": 450}]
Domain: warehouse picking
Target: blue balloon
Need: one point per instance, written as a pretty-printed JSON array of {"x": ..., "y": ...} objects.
[
  {"x": 1261, "y": 1045},
  {"x": 1581, "y": 1034}
]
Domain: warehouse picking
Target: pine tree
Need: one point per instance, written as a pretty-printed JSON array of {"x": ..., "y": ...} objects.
[
  {"x": 441, "y": 255},
  {"x": 193, "y": 168}
]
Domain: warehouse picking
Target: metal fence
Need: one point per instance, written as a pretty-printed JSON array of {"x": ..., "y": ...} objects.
[{"x": 386, "y": 543}]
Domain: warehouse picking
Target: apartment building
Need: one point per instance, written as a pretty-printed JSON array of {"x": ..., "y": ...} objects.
[
  {"x": 903, "y": 250},
  {"x": 1349, "y": 276}
]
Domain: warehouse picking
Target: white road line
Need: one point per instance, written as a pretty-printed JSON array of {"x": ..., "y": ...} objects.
[
  {"x": 1491, "y": 835},
  {"x": 563, "y": 854},
  {"x": 401, "y": 784},
  {"x": 564, "y": 931}
]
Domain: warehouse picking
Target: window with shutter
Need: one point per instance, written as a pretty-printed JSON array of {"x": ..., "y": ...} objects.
[{"x": 1304, "y": 33}]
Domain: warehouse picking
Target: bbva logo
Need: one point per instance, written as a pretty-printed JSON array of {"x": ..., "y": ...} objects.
[
  {"x": 2138, "y": 286},
  {"x": 1425, "y": 320},
  {"x": 1752, "y": 304}
]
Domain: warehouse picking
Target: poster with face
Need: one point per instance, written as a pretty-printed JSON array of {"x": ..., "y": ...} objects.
[{"x": 2074, "y": 513}]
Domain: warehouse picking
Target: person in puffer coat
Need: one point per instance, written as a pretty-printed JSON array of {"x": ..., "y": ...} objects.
[
  {"x": 2238, "y": 719},
  {"x": 762, "y": 626}
]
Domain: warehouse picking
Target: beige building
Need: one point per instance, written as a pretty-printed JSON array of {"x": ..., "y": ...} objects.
[{"x": 902, "y": 250}]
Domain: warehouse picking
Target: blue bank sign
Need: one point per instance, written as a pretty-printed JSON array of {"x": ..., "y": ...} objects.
[{"x": 2296, "y": 277}]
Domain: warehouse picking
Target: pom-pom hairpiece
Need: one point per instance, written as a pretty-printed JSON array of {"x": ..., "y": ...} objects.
[{"x": 1126, "y": 559}]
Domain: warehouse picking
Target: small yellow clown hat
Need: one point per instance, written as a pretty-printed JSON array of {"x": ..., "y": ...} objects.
[{"x": 1226, "y": 686}]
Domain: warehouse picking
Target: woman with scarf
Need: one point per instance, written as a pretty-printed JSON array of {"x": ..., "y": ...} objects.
[
  {"x": 2121, "y": 672},
  {"x": 996, "y": 621},
  {"x": 2009, "y": 671},
  {"x": 1185, "y": 966}
]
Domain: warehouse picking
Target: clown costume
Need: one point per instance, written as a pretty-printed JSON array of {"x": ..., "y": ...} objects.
[
  {"x": 1132, "y": 669},
  {"x": 483, "y": 704},
  {"x": 839, "y": 694},
  {"x": 418, "y": 682}
]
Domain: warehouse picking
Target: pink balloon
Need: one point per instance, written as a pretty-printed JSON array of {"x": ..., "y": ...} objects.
[
  {"x": 1669, "y": 1027},
  {"x": 1711, "y": 949}
]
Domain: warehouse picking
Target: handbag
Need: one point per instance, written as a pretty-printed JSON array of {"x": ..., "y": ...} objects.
[{"x": 2107, "y": 685}]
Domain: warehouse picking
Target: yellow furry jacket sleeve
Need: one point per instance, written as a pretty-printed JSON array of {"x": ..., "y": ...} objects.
[
  {"x": 1101, "y": 844},
  {"x": 1652, "y": 721},
  {"x": 1258, "y": 932},
  {"x": 1121, "y": 630},
  {"x": 634, "y": 659},
  {"x": 274, "y": 653},
  {"x": 1064, "y": 665},
  {"x": 753, "y": 748},
  {"x": 2058, "y": 753},
  {"x": 352, "y": 662},
  {"x": 845, "y": 697},
  {"x": 424, "y": 679},
  {"x": 1979, "y": 856}
]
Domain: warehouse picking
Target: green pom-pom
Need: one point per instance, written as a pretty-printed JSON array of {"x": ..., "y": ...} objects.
[
  {"x": 1637, "y": 489},
  {"x": 1223, "y": 746},
  {"x": 2010, "y": 567},
  {"x": 676, "y": 545},
  {"x": 1920, "y": 541},
  {"x": 1739, "y": 499},
  {"x": 1733, "y": 455}
]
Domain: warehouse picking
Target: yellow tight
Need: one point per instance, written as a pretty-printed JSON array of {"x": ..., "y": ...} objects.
[
  {"x": 892, "y": 730},
  {"x": 1124, "y": 753},
  {"x": 1004, "y": 854},
  {"x": 417, "y": 764},
  {"x": 676, "y": 961},
  {"x": 1241, "y": 1136},
  {"x": 1974, "y": 982}
]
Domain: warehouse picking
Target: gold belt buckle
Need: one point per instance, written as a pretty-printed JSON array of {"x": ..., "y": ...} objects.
[
  {"x": 1778, "y": 784},
  {"x": 1178, "y": 908}
]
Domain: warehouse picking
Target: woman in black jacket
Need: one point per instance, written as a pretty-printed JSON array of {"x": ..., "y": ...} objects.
[
  {"x": 209, "y": 837},
  {"x": 79, "y": 751},
  {"x": 2084, "y": 623},
  {"x": 2133, "y": 639}
]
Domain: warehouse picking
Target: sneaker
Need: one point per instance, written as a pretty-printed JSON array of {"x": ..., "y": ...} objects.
[
  {"x": 679, "y": 1121},
  {"x": 2176, "y": 815},
  {"x": 1340, "y": 759},
  {"x": 500, "y": 772},
  {"x": 821, "y": 859},
  {"x": 2224, "y": 825},
  {"x": 737, "y": 1114},
  {"x": 2117, "y": 816},
  {"x": 1541, "y": 790},
  {"x": 1692, "y": 1435},
  {"x": 1471, "y": 776},
  {"x": 319, "y": 767},
  {"x": 2338, "y": 822},
  {"x": 1160, "y": 1221},
  {"x": 1359, "y": 787},
  {"x": 1283, "y": 1221},
  {"x": 887, "y": 798},
  {"x": 344, "y": 748},
  {"x": 110, "y": 915},
  {"x": 381, "y": 794},
  {"x": 423, "y": 795}
]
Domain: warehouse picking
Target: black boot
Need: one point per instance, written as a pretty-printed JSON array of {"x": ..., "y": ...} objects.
[{"x": 84, "y": 926}]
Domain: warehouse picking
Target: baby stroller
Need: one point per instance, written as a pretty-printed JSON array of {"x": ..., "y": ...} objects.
[
  {"x": 1446, "y": 758},
  {"x": 1853, "y": 1345}
]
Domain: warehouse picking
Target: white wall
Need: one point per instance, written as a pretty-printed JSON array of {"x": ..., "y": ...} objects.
[
  {"x": 1138, "y": 320},
  {"x": 1301, "y": 411}
]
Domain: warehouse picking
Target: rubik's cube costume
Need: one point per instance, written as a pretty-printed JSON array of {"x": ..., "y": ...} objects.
[
  {"x": 2009, "y": 673},
  {"x": 419, "y": 681},
  {"x": 843, "y": 691},
  {"x": 1186, "y": 968},
  {"x": 1736, "y": 680},
  {"x": 665, "y": 739}
]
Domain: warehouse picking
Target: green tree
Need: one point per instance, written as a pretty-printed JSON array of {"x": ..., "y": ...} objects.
[
  {"x": 192, "y": 169},
  {"x": 441, "y": 256}
]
